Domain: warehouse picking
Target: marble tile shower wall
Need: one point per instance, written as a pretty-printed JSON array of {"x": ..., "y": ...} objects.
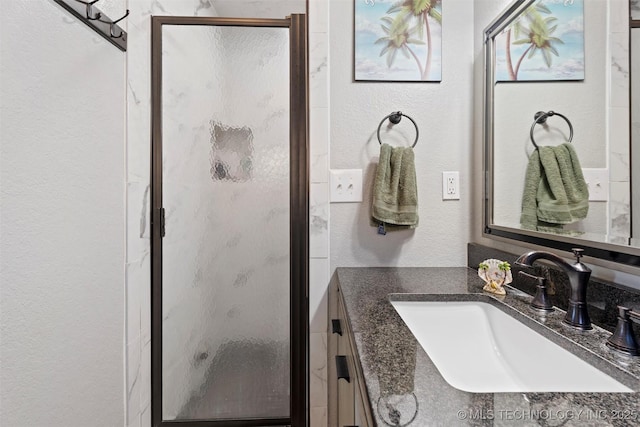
[
  {"x": 618, "y": 111},
  {"x": 318, "y": 14},
  {"x": 138, "y": 198}
]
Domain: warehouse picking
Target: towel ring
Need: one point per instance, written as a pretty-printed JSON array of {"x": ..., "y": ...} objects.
[
  {"x": 541, "y": 117},
  {"x": 395, "y": 119}
]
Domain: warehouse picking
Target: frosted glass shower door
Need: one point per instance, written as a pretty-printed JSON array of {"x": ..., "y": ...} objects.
[{"x": 226, "y": 199}]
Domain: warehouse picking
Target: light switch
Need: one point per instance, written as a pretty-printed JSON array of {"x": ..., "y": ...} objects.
[
  {"x": 346, "y": 185},
  {"x": 598, "y": 183}
]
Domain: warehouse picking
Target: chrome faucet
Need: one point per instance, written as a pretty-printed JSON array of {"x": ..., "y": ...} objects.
[{"x": 577, "y": 315}]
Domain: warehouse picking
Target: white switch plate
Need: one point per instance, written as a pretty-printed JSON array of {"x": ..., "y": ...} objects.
[
  {"x": 450, "y": 185},
  {"x": 346, "y": 185},
  {"x": 598, "y": 183}
]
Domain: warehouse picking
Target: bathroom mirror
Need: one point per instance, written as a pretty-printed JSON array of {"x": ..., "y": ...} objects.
[{"x": 570, "y": 57}]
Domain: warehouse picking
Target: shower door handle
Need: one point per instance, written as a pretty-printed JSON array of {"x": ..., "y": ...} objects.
[{"x": 162, "y": 223}]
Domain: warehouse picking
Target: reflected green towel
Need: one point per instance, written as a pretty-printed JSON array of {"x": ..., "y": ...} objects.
[
  {"x": 529, "y": 215},
  {"x": 395, "y": 193},
  {"x": 555, "y": 191}
]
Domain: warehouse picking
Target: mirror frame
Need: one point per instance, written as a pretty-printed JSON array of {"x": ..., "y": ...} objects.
[{"x": 606, "y": 251}]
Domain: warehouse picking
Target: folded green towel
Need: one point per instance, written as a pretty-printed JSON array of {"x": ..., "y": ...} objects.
[
  {"x": 395, "y": 193},
  {"x": 555, "y": 192},
  {"x": 529, "y": 215}
]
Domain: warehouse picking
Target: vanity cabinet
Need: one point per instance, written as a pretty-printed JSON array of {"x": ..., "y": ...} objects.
[{"x": 348, "y": 401}]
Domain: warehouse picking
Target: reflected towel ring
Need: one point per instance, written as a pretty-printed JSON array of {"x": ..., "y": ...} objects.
[
  {"x": 541, "y": 117},
  {"x": 395, "y": 118}
]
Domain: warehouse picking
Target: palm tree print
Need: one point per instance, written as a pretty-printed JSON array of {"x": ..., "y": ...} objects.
[
  {"x": 398, "y": 38},
  {"x": 536, "y": 32},
  {"x": 406, "y": 23}
]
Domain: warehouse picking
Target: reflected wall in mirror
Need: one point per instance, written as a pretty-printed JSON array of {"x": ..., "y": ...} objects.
[
  {"x": 598, "y": 108},
  {"x": 635, "y": 119}
]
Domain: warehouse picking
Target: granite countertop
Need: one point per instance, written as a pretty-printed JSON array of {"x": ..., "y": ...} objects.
[{"x": 405, "y": 388}]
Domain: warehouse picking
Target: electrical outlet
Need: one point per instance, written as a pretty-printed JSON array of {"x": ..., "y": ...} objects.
[{"x": 450, "y": 185}]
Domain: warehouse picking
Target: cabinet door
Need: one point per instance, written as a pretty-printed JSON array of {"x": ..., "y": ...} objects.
[
  {"x": 345, "y": 369},
  {"x": 348, "y": 405},
  {"x": 359, "y": 418},
  {"x": 332, "y": 351}
]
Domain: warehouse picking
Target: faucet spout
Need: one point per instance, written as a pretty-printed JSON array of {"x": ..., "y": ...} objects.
[{"x": 577, "y": 314}]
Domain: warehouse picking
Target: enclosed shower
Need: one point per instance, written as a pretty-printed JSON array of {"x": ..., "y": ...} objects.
[{"x": 229, "y": 221}]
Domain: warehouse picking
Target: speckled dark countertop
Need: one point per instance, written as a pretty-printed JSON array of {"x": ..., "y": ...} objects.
[{"x": 403, "y": 383}]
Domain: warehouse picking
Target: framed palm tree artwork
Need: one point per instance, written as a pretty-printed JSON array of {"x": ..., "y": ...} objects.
[
  {"x": 398, "y": 40},
  {"x": 546, "y": 42}
]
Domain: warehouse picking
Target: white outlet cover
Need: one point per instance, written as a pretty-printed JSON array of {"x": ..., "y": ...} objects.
[
  {"x": 450, "y": 185},
  {"x": 346, "y": 185},
  {"x": 598, "y": 183}
]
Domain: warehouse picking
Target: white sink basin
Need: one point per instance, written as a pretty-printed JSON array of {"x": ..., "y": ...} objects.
[{"x": 479, "y": 348}]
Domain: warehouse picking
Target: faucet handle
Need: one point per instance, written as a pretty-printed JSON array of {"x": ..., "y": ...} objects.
[
  {"x": 578, "y": 253},
  {"x": 623, "y": 338},
  {"x": 579, "y": 266},
  {"x": 541, "y": 300}
]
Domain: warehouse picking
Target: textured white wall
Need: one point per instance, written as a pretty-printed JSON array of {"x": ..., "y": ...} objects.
[
  {"x": 62, "y": 220},
  {"x": 443, "y": 111}
]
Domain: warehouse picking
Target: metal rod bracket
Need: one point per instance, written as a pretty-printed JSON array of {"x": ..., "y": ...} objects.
[{"x": 97, "y": 21}]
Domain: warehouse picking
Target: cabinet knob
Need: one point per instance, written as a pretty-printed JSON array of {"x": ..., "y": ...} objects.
[
  {"x": 336, "y": 327},
  {"x": 342, "y": 368}
]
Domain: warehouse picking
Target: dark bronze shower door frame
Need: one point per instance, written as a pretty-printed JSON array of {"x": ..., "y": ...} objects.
[{"x": 299, "y": 229}]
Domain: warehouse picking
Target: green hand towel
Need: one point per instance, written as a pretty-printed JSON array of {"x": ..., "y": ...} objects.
[
  {"x": 395, "y": 193},
  {"x": 529, "y": 214},
  {"x": 555, "y": 177}
]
